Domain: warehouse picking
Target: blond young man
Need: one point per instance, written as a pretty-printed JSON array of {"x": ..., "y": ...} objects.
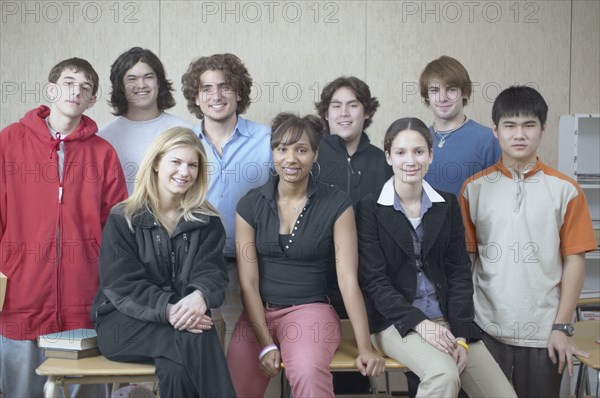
[{"x": 461, "y": 146}]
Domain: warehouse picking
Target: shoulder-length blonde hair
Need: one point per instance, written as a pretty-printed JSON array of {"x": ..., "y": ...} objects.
[{"x": 145, "y": 194}]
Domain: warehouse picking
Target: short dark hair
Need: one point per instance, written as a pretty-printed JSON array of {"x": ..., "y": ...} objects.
[
  {"x": 450, "y": 72},
  {"x": 126, "y": 61},
  {"x": 360, "y": 89},
  {"x": 287, "y": 129},
  {"x": 406, "y": 123},
  {"x": 77, "y": 65},
  {"x": 235, "y": 72},
  {"x": 519, "y": 101}
]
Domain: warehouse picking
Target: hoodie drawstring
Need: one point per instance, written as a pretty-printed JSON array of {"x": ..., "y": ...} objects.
[{"x": 56, "y": 144}]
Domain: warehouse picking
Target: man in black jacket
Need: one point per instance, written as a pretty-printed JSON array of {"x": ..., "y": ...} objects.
[
  {"x": 347, "y": 158},
  {"x": 349, "y": 161}
]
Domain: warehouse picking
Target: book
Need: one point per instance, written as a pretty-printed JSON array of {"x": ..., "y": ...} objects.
[
  {"x": 77, "y": 339},
  {"x": 71, "y": 354}
]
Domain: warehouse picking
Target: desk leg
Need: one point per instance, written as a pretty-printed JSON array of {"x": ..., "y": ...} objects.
[
  {"x": 580, "y": 386},
  {"x": 388, "y": 385},
  {"x": 65, "y": 389},
  {"x": 50, "y": 388}
]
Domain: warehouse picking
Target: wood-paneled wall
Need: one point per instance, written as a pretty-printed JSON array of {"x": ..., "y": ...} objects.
[{"x": 293, "y": 48}]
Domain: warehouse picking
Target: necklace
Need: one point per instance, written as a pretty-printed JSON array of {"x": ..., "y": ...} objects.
[
  {"x": 298, "y": 209},
  {"x": 169, "y": 221},
  {"x": 443, "y": 135}
]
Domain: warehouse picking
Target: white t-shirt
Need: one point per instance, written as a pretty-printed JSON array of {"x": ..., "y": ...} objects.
[{"x": 131, "y": 139}]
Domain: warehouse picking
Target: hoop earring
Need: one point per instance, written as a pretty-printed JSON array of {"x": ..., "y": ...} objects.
[
  {"x": 319, "y": 172},
  {"x": 272, "y": 169}
]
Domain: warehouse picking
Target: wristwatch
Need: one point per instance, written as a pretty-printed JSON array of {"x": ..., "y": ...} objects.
[{"x": 566, "y": 328}]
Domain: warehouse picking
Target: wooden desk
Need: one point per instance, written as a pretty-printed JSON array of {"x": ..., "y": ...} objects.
[
  {"x": 94, "y": 370},
  {"x": 586, "y": 334}
]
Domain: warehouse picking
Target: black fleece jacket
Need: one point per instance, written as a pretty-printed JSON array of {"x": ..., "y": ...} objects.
[
  {"x": 143, "y": 270},
  {"x": 358, "y": 175}
]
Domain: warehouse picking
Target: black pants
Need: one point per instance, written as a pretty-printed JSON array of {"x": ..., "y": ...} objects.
[
  {"x": 350, "y": 383},
  {"x": 530, "y": 370},
  {"x": 187, "y": 364}
]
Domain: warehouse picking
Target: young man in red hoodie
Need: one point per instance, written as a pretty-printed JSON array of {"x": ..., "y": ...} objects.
[{"x": 58, "y": 182}]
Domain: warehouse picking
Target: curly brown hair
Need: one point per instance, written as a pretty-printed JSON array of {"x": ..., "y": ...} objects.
[{"x": 235, "y": 72}]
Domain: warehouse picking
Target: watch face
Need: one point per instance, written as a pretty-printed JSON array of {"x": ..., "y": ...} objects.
[
  {"x": 566, "y": 328},
  {"x": 570, "y": 330}
]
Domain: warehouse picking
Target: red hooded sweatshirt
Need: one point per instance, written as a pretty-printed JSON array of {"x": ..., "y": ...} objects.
[{"x": 50, "y": 229}]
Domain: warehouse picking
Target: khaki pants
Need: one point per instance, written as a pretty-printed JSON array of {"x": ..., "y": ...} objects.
[{"x": 437, "y": 370}]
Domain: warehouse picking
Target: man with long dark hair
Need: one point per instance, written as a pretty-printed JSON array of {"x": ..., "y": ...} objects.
[{"x": 140, "y": 95}]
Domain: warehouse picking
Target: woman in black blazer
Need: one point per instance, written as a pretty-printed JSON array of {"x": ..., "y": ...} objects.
[{"x": 415, "y": 274}]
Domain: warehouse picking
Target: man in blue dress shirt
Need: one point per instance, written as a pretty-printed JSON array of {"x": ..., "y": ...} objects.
[{"x": 217, "y": 90}]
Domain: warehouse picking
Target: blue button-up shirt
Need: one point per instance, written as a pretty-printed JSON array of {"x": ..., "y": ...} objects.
[{"x": 244, "y": 165}]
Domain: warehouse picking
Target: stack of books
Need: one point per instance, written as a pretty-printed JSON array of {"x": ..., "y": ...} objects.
[{"x": 70, "y": 344}]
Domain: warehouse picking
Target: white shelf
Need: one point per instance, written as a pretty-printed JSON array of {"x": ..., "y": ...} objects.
[
  {"x": 589, "y": 186},
  {"x": 578, "y": 153},
  {"x": 593, "y": 255},
  {"x": 578, "y": 143}
]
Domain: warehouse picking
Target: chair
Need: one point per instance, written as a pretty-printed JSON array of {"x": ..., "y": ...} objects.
[
  {"x": 344, "y": 361},
  {"x": 94, "y": 370},
  {"x": 586, "y": 335}
]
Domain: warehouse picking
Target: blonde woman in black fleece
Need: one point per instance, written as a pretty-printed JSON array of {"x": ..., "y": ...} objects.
[{"x": 162, "y": 268}]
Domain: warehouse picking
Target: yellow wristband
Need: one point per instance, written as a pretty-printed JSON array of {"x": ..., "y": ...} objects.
[{"x": 462, "y": 343}]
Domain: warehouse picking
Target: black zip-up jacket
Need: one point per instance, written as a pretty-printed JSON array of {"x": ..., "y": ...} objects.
[
  {"x": 358, "y": 175},
  {"x": 143, "y": 270}
]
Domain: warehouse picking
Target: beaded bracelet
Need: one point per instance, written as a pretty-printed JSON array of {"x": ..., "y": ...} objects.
[
  {"x": 463, "y": 344},
  {"x": 268, "y": 348}
]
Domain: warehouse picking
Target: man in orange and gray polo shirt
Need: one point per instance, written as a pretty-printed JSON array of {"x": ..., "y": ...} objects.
[{"x": 529, "y": 227}]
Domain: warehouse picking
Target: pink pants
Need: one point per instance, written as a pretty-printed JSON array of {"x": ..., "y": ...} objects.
[{"x": 307, "y": 336}]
